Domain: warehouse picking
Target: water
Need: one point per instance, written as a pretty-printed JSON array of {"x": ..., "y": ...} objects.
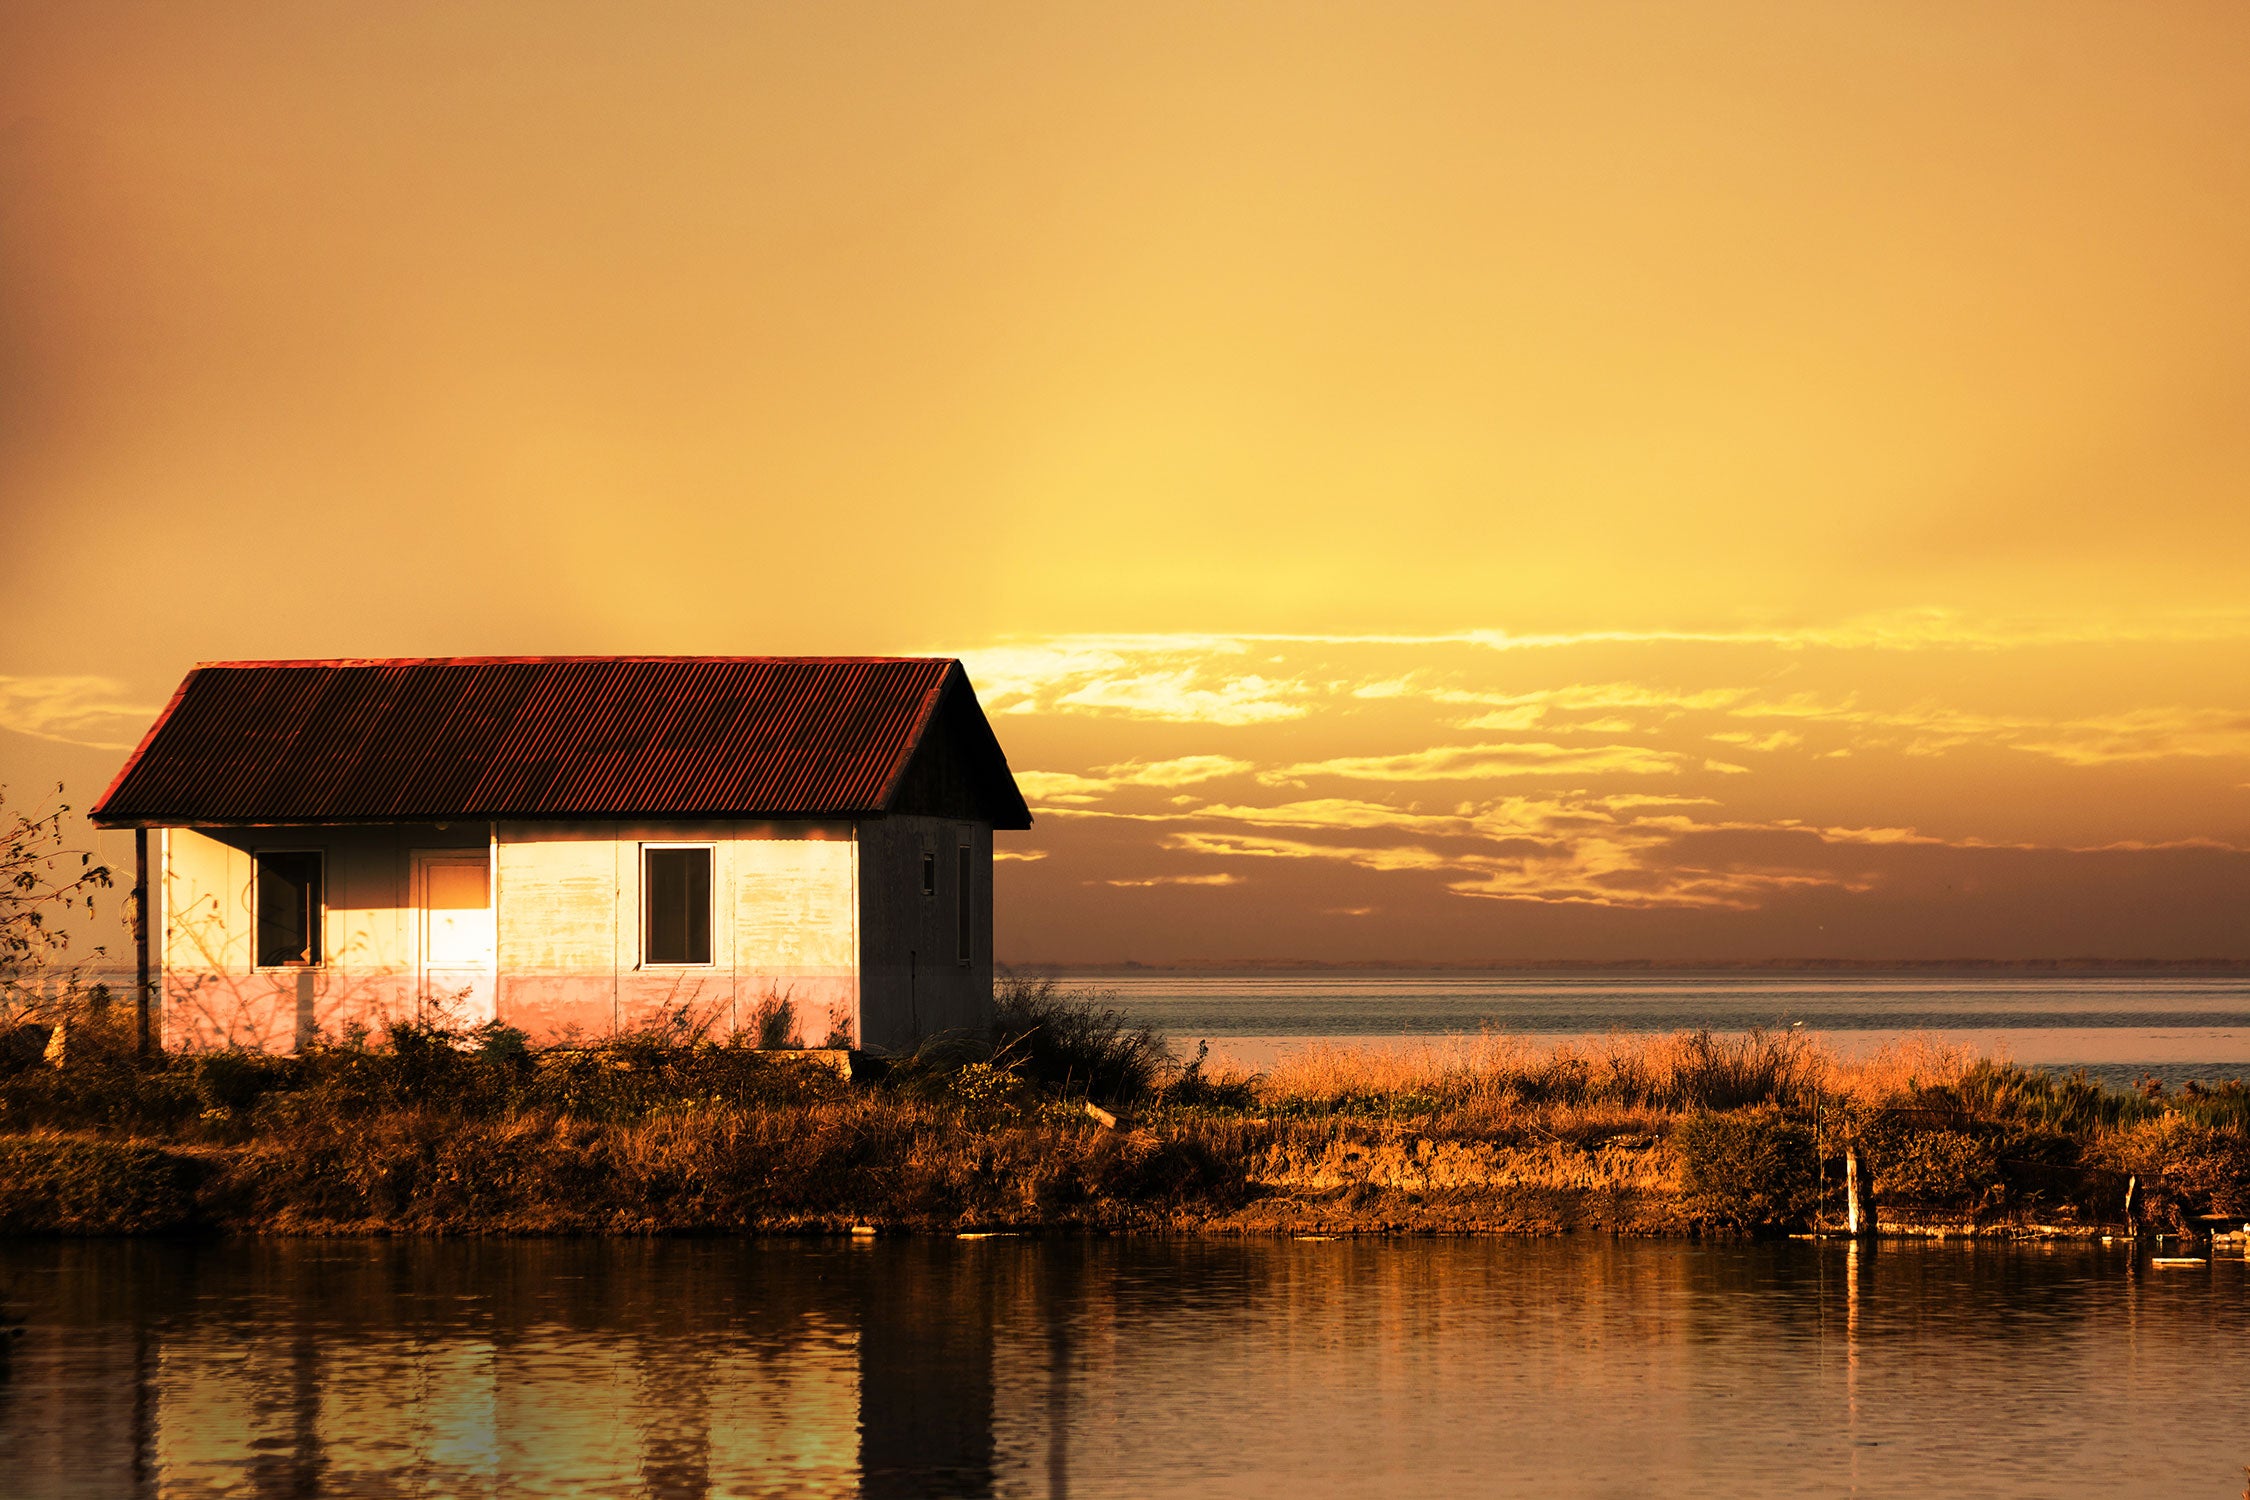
[
  {"x": 2119, "y": 1029},
  {"x": 1118, "y": 1368}
]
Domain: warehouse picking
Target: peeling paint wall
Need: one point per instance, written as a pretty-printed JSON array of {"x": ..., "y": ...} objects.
[
  {"x": 214, "y": 994},
  {"x": 784, "y": 927},
  {"x": 567, "y": 950}
]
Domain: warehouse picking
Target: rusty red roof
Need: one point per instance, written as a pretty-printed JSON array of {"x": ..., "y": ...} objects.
[{"x": 536, "y": 737}]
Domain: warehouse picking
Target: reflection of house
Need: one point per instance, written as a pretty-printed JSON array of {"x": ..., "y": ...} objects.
[
  {"x": 528, "y": 1367},
  {"x": 567, "y": 845}
]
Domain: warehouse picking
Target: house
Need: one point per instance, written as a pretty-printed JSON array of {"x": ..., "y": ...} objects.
[{"x": 568, "y": 845}]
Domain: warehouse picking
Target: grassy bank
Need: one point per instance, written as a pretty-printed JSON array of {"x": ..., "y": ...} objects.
[{"x": 437, "y": 1131}]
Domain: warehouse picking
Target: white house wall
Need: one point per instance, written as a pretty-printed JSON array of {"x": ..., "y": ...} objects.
[
  {"x": 785, "y": 927},
  {"x": 213, "y": 993},
  {"x": 796, "y": 929}
]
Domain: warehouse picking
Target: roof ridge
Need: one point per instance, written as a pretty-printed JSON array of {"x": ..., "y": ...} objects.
[{"x": 503, "y": 661}]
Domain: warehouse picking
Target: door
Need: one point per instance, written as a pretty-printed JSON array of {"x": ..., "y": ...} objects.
[{"x": 453, "y": 910}]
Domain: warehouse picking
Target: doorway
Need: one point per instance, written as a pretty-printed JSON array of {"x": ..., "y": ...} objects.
[{"x": 454, "y": 935}]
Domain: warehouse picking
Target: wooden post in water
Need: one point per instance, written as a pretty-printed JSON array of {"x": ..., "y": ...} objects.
[
  {"x": 2132, "y": 1196},
  {"x": 1859, "y": 1214}
]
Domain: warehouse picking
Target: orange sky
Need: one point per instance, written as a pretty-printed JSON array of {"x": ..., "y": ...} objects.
[{"x": 1412, "y": 480}]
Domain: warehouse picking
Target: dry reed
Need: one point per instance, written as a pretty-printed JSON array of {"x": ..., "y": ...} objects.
[{"x": 1680, "y": 1070}]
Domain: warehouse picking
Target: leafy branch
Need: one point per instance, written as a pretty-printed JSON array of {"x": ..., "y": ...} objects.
[{"x": 41, "y": 879}]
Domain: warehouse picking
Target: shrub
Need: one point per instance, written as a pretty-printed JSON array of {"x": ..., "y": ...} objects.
[
  {"x": 236, "y": 1080},
  {"x": 66, "y": 1185},
  {"x": 23, "y": 1046},
  {"x": 1076, "y": 1041},
  {"x": 2186, "y": 1170},
  {"x": 984, "y": 1087},
  {"x": 1720, "y": 1073},
  {"x": 1752, "y": 1169},
  {"x": 774, "y": 1022},
  {"x": 1931, "y": 1167}
]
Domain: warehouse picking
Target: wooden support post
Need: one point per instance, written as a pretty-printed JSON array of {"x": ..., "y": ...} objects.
[
  {"x": 1859, "y": 1214},
  {"x": 2132, "y": 1201},
  {"x": 144, "y": 1034}
]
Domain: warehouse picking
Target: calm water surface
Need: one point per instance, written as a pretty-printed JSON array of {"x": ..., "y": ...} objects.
[
  {"x": 1096, "y": 1368},
  {"x": 2117, "y": 1028}
]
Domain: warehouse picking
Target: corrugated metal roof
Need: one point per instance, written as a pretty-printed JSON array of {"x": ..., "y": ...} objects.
[{"x": 506, "y": 737}]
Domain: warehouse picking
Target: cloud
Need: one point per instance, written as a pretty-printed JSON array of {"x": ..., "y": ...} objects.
[
  {"x": 1179, "y": 679},
  {"x": 1606, "y": 871},
  {"x": 1182, "y": 697},
  {"x": 1183, "y": 770},
  {"x": 1487, "y": 762},
  {"x": 1022, "y": 854},
  {"x": 1022, "y": 665},
  {"x": 1207, "y": 679},
  {"x": 1047, "y": 787},
  {"x": 1780, "y": 739},
  {"x": 1251, "y": 846},
  {"x": 1336, "y": 812},
  {"x": 90, "y": 711},
  {"x": 1070, "y": 787},
  {"x": 1218, "y": 878},
  {"x": 2149, "y": 733},
  {"x": 1526, "y": 716},
  {"x": 1439, "y": 726}
]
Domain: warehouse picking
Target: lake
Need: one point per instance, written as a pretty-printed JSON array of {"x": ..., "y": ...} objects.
[
  {"x": 2117, "y": 1028},
  {"x": 1572, "y": 1367}
]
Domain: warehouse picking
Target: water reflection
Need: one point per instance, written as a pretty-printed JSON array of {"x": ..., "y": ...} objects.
[{"x": 1009, "y": 1367}]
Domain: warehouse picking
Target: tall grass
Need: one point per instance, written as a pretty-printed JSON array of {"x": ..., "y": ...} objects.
[
  {"x": 1688, "y": 1070},
  {"x": 1075, "y": 1041}
]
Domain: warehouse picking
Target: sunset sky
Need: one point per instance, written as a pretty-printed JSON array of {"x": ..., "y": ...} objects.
[{"x": 1410, "y": 481}]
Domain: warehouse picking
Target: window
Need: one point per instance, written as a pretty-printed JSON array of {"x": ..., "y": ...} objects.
[
  {"x": 961, "y": 908},
  {"x": 929, "y": 872},
  {"x": 290, "y": 906},
  {"x": 676, "y": 904}
]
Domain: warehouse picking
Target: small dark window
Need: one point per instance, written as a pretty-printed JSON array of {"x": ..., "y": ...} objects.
[
  {"x": 289, "y": 908},
  {"x": 676, "y": 889},
  {"x": 929, "y": 873},
  {"x": 962, "y": 908}
]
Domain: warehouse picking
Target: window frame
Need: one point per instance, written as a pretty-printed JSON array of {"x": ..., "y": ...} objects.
[
  {"x": 710, "y": 898},
  {"x": 319, "y": 914}
]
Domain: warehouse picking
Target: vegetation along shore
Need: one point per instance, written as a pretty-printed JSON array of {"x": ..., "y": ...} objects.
[{"x": 1067, "y": 1118}]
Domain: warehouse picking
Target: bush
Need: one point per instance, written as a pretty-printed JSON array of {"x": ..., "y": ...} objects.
[
  {"x": 1075, "y": 1041},
  {"x": 65, "y": 1185},
  {"x": 236, "y": 1080},
  {"x": 774, "y": 1022},
  {"x": 1721, "y": 1073},
  {"x": 2187, "y": 1171},
  {"x": 1932, "y": 1167},
  {"x": 1752, "y": 1169},
  {"x": 23, "y": 1046}
]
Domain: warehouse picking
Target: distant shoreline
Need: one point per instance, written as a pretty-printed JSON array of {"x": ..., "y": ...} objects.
[{"x": 2059, "y": 967}]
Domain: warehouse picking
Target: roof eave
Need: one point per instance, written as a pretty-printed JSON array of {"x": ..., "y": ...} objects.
[{"x": 425, "y": 819}]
